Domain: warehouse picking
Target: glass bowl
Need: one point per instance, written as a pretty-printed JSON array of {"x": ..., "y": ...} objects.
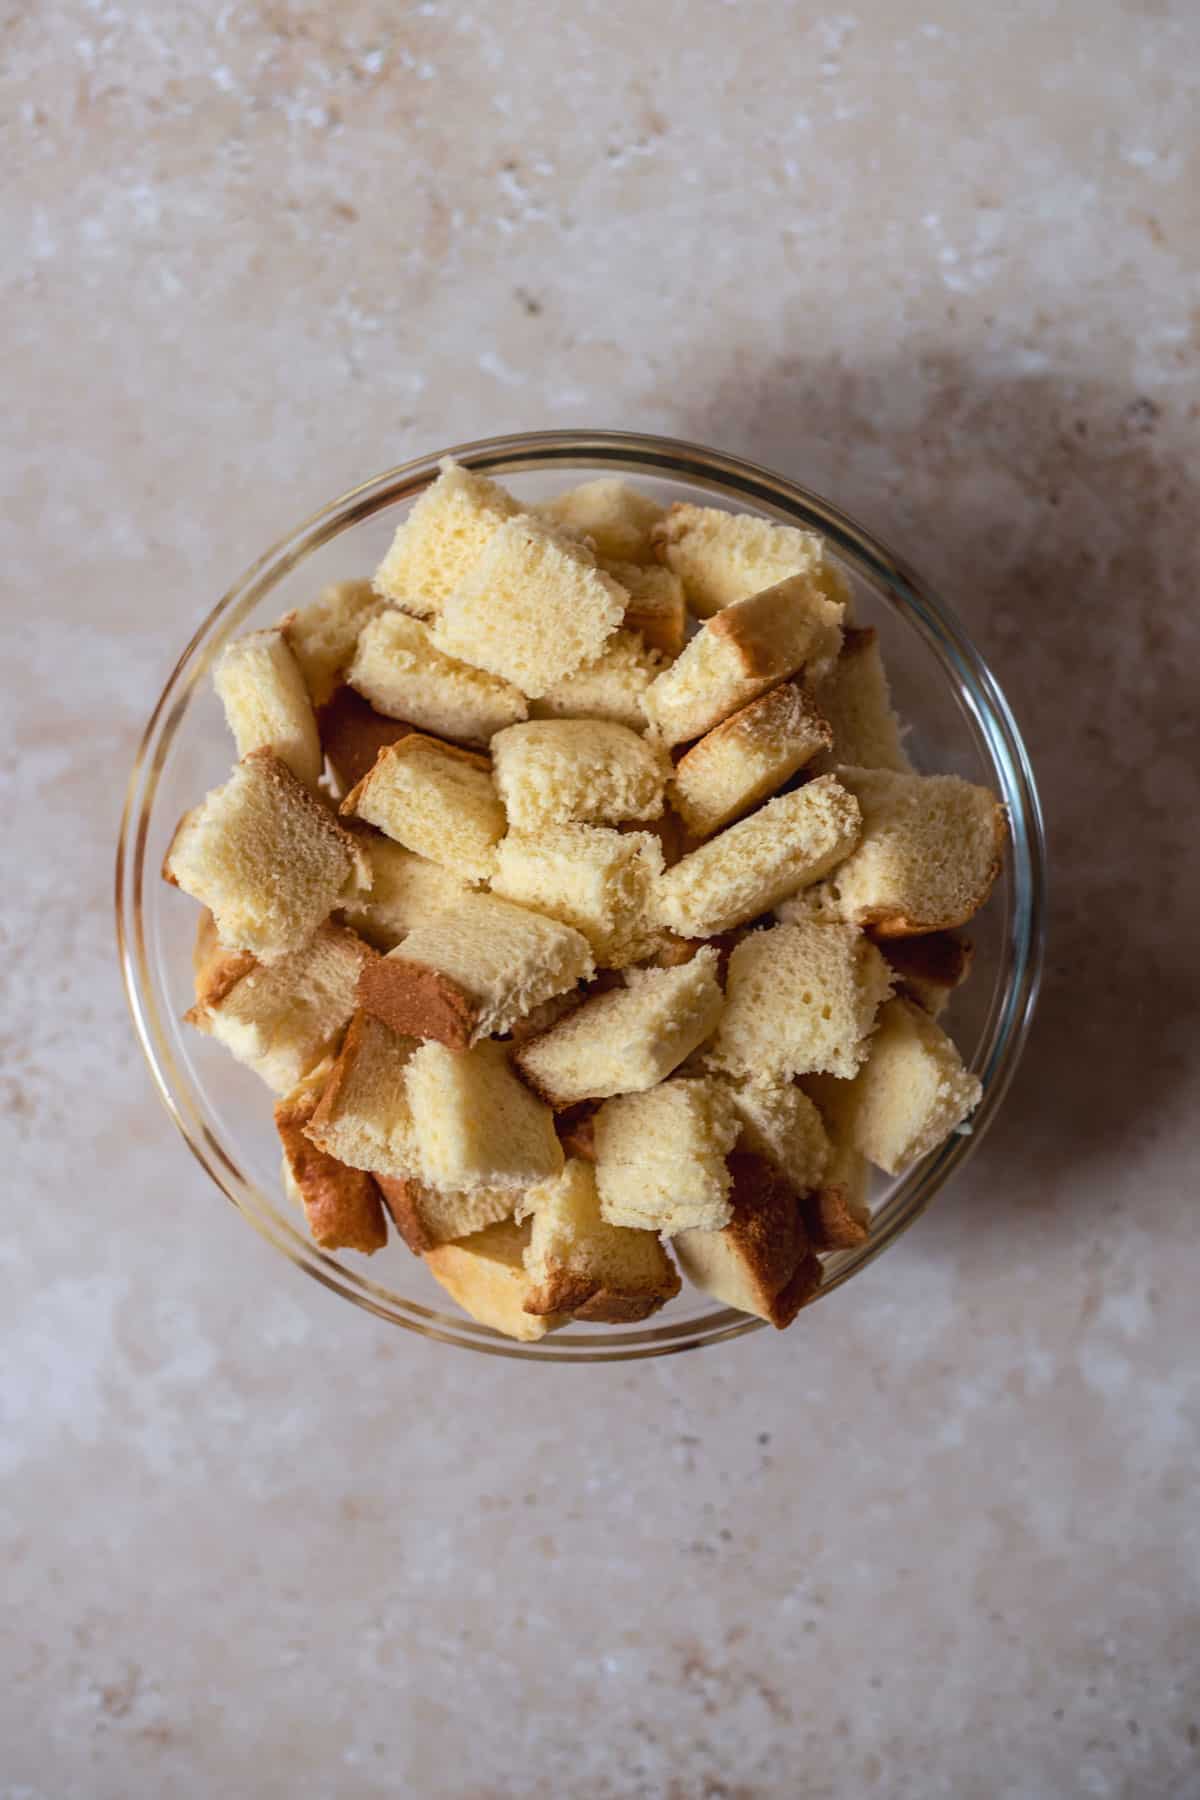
[{"x": 958, "y": 722}]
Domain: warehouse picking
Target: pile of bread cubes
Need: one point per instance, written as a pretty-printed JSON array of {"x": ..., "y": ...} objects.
[{"x": 575, "y": 893}]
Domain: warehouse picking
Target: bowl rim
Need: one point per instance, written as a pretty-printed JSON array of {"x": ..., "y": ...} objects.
[{"x": 722, "y": 476}]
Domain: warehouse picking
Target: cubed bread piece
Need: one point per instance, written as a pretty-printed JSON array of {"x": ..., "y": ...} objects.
[
  {"x": 442, "y": 538},
  {"x": 746, "y": 757},
  {"x": 400, "y": 670},
  {"x": 426, "y": 1216},
  {"x": 749, "y": 867},
  {"x": 627, "y": 1039},
  {"x": 533, "y": 608},
  {"x": 267, "y": 707},
  {"x": 928, "y": 969},
  {"x": 610, "y": 688},
  {"x": 855, "y": 698},
  {"x": 722, "y": 557},
  {"x": 655, "y": 607},
  {"x": 266, "y": 856},
  {"x": 910, "y": 1094},
  {"x": 322, "y": 636},
  {"x": 660, "y": 1156},
  {"x": 577, "y": 771},
  {"x": 837, "y": 1214},
  {"x": 406, "y": 891},
  {"x": 485, "y": 1274},
  {"x": 930, "y": 849},
  {"x": 363, "y": 1116},
  {"x": 761, "y": 1262},
  {"x": 352, "y": 735},
  {"x": 435, "y": 799},
  {"x": 740, "y": 654},
  {"x": 581, "y": 1265},
  {"x": 476, "y": 1123},
  {"x": 474, "y": 970},
  {"x": 780, "y": 1123},
  {"x": 281, "y": 1019},
  {"x": 800, "y": 998},
  {"x": 618, "y": 518},
  {"x": 342, "y": 1206},
  {"x": 598, "y": 880}
]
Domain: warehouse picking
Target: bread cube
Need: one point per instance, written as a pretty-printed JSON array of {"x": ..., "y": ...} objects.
[
  {"x": 655, "y": 606},
  {"x": 474, "y": 970},
  {"x": 598, "y": 880},
  {"x": 476, "y": 1124},
  {"x": 266, "y": 856},
  {"x": 442, "y": 538},
  {"x": 617, "y": 517},
  {"x": 406, "y": 891},
  {"x": 928, "y": 969},
  {"x": 799, "y": 998},
  {"x": 426, "y": 1216},
  {"x": 930, "y": 849},
  {"x": 435, "y": 799},
  {"x": 660, "y": 1156},
  {"x": 352, "y": 735},
  {"x": 577, "y": 771},
  {"x": 342, "y": 1206},
  {"x": 723, "y": 557},
  {"x": 779, "y": 1123},
  {"x": 322, "y": 635},
  {"x": 854, "y": 696},
  {"x": 740, "y": 654},
  {"x": 627, "y": 1039},
  {"x": 749, "y": 867},
  {"x": 610, "y": 688},
  {"x": 579, "y": 1264},
  {"x": 746, "y": 757},
  {"x": 761, "y": 1261},
  {"x": 363, "y": 1117},
  {"x": 485, "y": 1274},
  {"x": 533, "y": 608},
  {"x": 266, "y": 703},
  {"x": 400, "y": 670}
]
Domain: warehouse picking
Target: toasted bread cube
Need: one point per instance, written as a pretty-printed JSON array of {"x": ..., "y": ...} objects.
[
  {"x": 854, "y": 696},
  {"x": 626, "y": 1040},
  {"x": 322, "y": 635},
  {"x": 282, "y": 1019},
  {"x": 442, "y": 538},
  {"x": 266, "y": 703},
  {"x": 400, "y": 670},
  {"x": 534, "y": 608},
  {"x": 363, "y": 1117},
  {"x": 617, "y": 517},
  {"x": 474, "y": 971},
  {"x": 581, "y": 1265},
  {"x": 779, "y": 1123},
  {"x": 740, "y": 654},
  {"x": 800, "y": 998},
  {"x": 761, "y": 1262},
  {"x": 928, "y": 969},
  {"x": 342, "y": 1206},
  {"x": 598, "y": 880},
  {"x": 435, "y": 799},
  {"x": 746, "y": 757},
  {"x": 577, "y": 771},
  {"x": 930, "y": 849},
  {"x": 406, "y": 891},
  {"x": 660, "y": 1156},
  {"x": 837, "y": 1213},
  {"x": 723, "y": 557},
  {"x": 352, "y": 735},
  {"x": 426, "y": 1216},
  {"x": 655, "y": 608},
  {"x": 749, "y": 867},
  {"x": 476, "y": 1124},
  {"x": 265, "y": 856},
  {"x": 610, "y": 688},
  {"x": 485, "y": 1274}
]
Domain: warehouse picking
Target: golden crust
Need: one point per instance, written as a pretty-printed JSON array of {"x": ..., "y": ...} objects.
[
  {"x": 418, "y": 1001},
  {"x": 352, "y": 734},
  {"x": 343, "y": 1206},
  {"x": 419, "y": 742},
  {"x": 831, "y": 1221}
]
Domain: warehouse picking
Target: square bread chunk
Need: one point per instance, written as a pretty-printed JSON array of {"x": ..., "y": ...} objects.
[
  {"x": 746, "y": 757},
  {"x": 266, "y": 856},
  {"x": 322, "y": 635},
  {"x": 660, "y": 1156},
  {"x": 800, "y": 998},
  {"x": 441, "y": 539},
  {"x": 267, "y": 707},
  {"x": 352, "y": 735},
  {"x": 617, "y": 517},
  {"x": 779, "y": 1123},
  {"x": 342, "y": 1206},
  {"x": 363, "y": 1116},
  {"x": 577, "y": 771},
  {"x": 723, "y": 557},
  {"x": 281, "y": 1019},
  {"x": 749, "y": 867},
  {"x": 761, "y": 1262},
  {"x": 579, "y": 1264},
  {"x": 928, "y": 969},
  {"x": 740, "y": 653},
  {"x": 400, "y": 670},
  {"x": 627, "y": 1039},
  {"x": 610, "y": 688},
  {"x": 426, "y": 1216},
  {"x": 476, "y": 1124},
  {"x": 486, "y": 1275},
  {"x": 930, "y": 849},
  {"x": 474, "y": 970},
  {"x": 655, "y": 608},
  {"x": 533, "y": 608},
  {"x": 406, "y": 891},
  {"x": 589, "y": 876},
  {"x": 435, "y": 799},
  {"x": 855, "y": 698}
]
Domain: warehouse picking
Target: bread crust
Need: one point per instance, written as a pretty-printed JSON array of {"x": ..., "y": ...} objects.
[
  {"x": 830, "y": 1222},
  {"x": 418, "y": 1001},
  {"x": 343, "y": 1206},
  {"x": 402, "y": 1197},
  {"x": 413, "y": 740},
  {"x": 352, "y": 734}
]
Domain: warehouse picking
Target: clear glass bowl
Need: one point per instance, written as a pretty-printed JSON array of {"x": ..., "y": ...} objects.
[{"x": 959, "y": 722}]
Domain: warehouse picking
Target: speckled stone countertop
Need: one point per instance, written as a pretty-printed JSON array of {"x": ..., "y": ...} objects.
[{"x": 942, "y": 1538}]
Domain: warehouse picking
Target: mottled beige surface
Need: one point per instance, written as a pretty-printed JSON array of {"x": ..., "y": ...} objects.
[{"x": 940, "y": 1540}]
